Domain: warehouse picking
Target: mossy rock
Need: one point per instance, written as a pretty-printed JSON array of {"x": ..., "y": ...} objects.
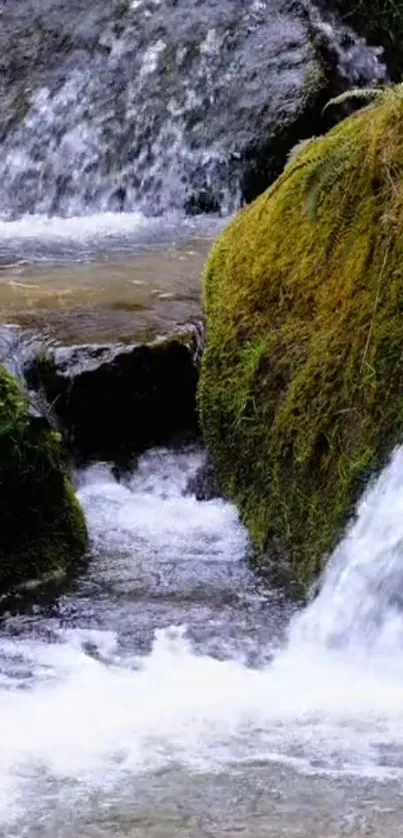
[
  {"x": 301, "y": 392},
  {"x": 43, "y": 529}
]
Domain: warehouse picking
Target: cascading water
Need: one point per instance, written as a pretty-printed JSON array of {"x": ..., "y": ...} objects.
[
  {"x": 142, "y": 106},
  {"x": 166, "y": 666},
  {"x": 359, "y": 610}
]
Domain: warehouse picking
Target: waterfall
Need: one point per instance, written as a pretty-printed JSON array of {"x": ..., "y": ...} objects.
[{"x": 140, "y": 107}]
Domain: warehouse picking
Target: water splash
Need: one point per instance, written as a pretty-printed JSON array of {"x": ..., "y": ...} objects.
[
  {"x": 82, "y": 711},
  {"x": 359, "y": 610}
]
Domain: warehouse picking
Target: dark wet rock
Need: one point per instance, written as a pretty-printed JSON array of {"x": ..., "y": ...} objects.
[
  {"x": 153, "y": 106},
  {"x": 17, "y": 347},
  {"x": 204, "y": 485},
  {"x": 114, "y": 401},
  {"x": 380, "y": 22}
]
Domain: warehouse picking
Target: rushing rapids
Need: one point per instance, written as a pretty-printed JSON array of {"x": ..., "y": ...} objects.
[
  {"x": 124, "y": 106},
  {"x": 168, "y": 666}
]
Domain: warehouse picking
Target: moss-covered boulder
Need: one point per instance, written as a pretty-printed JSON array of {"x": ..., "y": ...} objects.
[
  {"x": 42, "y": 528},
  {"x": 301, "y": 392}
]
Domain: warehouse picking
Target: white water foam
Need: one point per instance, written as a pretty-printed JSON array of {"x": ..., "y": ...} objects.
[
  {"x": 78, "y": 227},
  {"x": 152, "y": 523},
  {"x": 38, "y": 238},
  {"x": 331, "y": 702}
]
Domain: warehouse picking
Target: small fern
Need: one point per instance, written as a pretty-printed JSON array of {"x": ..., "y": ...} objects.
[
  {"x": 323, "y": 175},
  {"x": 296, "y": 150},
  {"x": 369, "y": 95}
]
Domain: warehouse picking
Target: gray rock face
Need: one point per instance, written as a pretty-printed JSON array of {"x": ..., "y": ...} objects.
[
  {"x": 156, "y": 106},
  {"x": 113, "y": 401}
]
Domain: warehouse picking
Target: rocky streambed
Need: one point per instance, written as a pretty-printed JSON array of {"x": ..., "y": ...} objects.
[
  {"x": 107, "y": 353},
  {"x": 167, "y": 692},
  {"x": 112, "y": 346}
]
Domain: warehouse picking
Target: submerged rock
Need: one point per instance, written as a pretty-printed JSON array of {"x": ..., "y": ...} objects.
[
  {"x": 42, "y": 529},
  {"x": 116, "y": 400},
  {"x": 302, "y": 379}
]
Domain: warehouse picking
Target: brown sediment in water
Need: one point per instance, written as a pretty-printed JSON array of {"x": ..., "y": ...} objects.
[{"x": 127, "y": 299}]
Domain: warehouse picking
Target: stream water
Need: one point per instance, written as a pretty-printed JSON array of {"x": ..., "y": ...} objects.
[
  {"x": 168, "y": 693},
  {"x": 102, "y": 278}
]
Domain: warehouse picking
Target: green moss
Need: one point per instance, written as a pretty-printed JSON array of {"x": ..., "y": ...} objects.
[
  {"x": 42, "y": 525},
  {"x": 301, "y": 392}
]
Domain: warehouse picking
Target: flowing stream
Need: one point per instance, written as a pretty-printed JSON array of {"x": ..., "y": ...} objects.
[{"x": 168, "y": 693}]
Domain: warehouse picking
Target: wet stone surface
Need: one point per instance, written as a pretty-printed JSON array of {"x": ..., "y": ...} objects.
[{"x": 114, "y": 401}]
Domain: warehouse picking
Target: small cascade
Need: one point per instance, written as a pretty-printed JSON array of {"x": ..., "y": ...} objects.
[
  {"x": 166, "y": 667},
  {"x": 359, "y": 609},
  {"x": 140, "y": 106}
]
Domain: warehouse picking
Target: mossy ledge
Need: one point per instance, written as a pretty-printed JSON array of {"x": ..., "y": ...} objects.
[
  {"x": 43, "y": 529},
  {"x": 301, "y": 392}
]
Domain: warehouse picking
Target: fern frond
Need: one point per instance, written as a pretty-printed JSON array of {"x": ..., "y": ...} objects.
[
  {"x": 296, "y": 150},
  {"x": 363, "y": 94},
  {"x": 343, "y": 221},
  {"x": 322, "y": 176}
]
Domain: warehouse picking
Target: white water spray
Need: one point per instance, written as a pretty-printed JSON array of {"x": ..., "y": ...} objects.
[{"x": 83, "y": 710}]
